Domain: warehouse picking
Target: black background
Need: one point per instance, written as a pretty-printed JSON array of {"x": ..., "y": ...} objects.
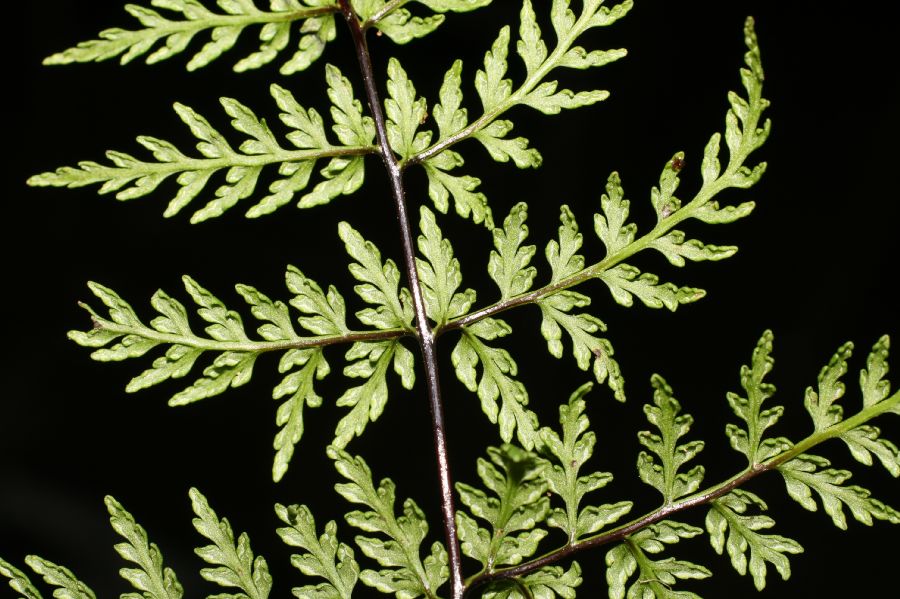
[{"x": 817, "y": 264}]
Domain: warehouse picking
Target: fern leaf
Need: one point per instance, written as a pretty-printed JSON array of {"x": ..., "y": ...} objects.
[
  {"x": 498, "y": 370},
  {"x": 808, "y": 473},
  {"x": 367, "y": 401},
  {"x": 191, "y": 18},
  {"x": 509, "y": 264},
  {"x": 440, "y": 274},
  {"x": 18, "y": 581},
  {"x": 625, "y": 282},
  {"x": 449, "y": 114},
  {"x": 610, "y": 225},
  {"x": 750, "y": 441},
  {"x": 513, "y": 507},
  {"x": 491, "y": 84},
  {"x": 327, "y": 314},
  {"x": 502, "y": 148},
  {"x": 404, "y": 112},
  {"x": 132, "y": 178},
  {"x": 150, "y": 578},
  {"x": 406, "y": 574},
  {"x": 571, "y": 451},
  {"x": 546, "y": 583},
  {"x": 563, "y": 255},
  {"x": 67, "y": 585},
  {"x": 380, "y": 283},
  {"x": 236, "y": 564},
  {"x": 821, "y": 403},
  {"x": 325, "y": 557},
  {"x": 402, "y": 26},
  {"x": 442, "y": 185},
  {"x": 664, "y": 414},
  {"x": 655, "y": 577},
  {"x": 728, "y": 514},
  {"x": 298, "y": 384}
]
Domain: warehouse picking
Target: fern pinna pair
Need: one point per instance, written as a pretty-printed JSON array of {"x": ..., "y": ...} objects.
[{"x": 533, "y": 482}]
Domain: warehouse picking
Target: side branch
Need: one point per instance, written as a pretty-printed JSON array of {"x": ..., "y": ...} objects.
[
  {"x": 425, "y": 333},
  {"x": 700, "y": 498}
]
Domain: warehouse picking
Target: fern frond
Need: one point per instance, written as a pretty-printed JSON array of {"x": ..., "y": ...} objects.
[
  {"x": 728, "y": 514},
  {"x": 498, "y": 370},
  {"x": 547, "y": 583},
  {"x": 187, "y": 18},
  {"x": 498, "y": 96},
  {"x": 399, "y": 24},
  {"x": 236, "y": 564},
  {"x": 439, "y": 273},
  {"x": 123, "y": 335},
  {"x": 325, "y": 557},
  {"x": 750, "y": 441},
  {"x": 67, "y": 585},
  {"x": 655, "y": 577},
  {"x": 18, "y": 581},
  {"x": 406, "y": 574},
  {"x": 513, "y": 507},
  {"x": 665, "y": 415},
  {"x": 131, "y": 178},
  {"x": 571, "y": 451},
  {"x": 150, "y": 577}
]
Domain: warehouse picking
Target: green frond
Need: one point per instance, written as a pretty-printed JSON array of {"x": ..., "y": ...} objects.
[
  {"x": 150, "y": 578},
  {"x": 655, "y": 577},
  {"x": 442, "y": 185},
  {"x": 548, "y": 582},
  {"x": 750, "y": 441},
  {"x": 186, "y": 18},
  {"x": 625, "y": 282},
  {"x": 405, "y": 573},
  {"x": 509, "y": 264},
  {"x": 236, "y": 566},
  {"x": 808, "y": 473},
  {"x": 131, "y": 178},
  {"x": 405, "y": 113},
  {"x": 821, "y": 403},
  {"x": 728, "y": 514},
  {"x": 67, "y": 585},
  {"x": 18, "y": 581},
  {"x": 665, "y": 414},
  {"x": 400, "y": 24},
  {"x": 498, "y": 370},
  {"x": 571, "y": 451},
  {"x": 513, "y": 507},
  {"x": 325, "y": 557},
  {"x": 439, "y": 273}
]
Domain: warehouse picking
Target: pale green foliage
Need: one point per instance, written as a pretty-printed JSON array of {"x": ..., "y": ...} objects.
[
  {"x": 439, "y": 274},
  {"x": 750, "y": 441},
  {"x": 571, "y": 451},
  {"x": 655, "y": 577},
  {"x": 236, "y": 565},
  {"x": 343, "y": 174},
  {"x": 325, "y": 557},
  {"x": 665, "y": 414},
  {"x": 808, "y": 473},
  {"x": 404, "y": 572},
  {"x": 822, "y": 404},
  {"x": 728, "y": 514},
  {"x": 497, "y": 371},
  {"x": 513, "y": 507},
  {"x": 150, "y": 578},
  {"x": 67, "y": 585},
  {"x": 547, "y": 583},
  {"x": 18, "y": 581}
]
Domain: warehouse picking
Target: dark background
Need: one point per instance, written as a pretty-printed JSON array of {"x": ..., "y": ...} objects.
[{"x": 817, "y": 264}]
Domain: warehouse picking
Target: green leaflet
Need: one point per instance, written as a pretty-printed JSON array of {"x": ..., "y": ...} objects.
[
  {"x": 68, "y": 586},
  {"x": 513, "y": 506},
  {"x": 571, "y": 451},
  {"x": 626, "y": 281},
  {"x": 406, "y": 574},
  {"x": 225, "y": 28},
  {"x": 498, "y": 368},
  {"x": 131, "y": 178},
  {"x": 325, "y": 557},
  {"x": 655, "y": 577},
  {"x": 728, "y": 514},
  {"x": 236, "y": 564},
  {"x": 509, "y": 265},
  {"x": 405, "y": 113},
  {"x": 610, "y": 225},
  {"x": 808, "y": 473},
  {"x": 439, "y": 273},
  {"x": 380, "y": 283},
  {"x": 462, "y": 188},
  {"x": 150, "y": 577},
  {"x": 750, "y": 441},
  {"x": 547, "y": 583},
  {"x": 401, "y": 25},
  {"x": 821, "y": 404},
  {"x": 664, "y": 414},
  {"x": 18, "y": 581},
  {"x": 367, "y": 401}
]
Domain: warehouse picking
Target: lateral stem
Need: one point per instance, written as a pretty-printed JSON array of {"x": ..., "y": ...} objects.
[{"x": 424, "y": 331}]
